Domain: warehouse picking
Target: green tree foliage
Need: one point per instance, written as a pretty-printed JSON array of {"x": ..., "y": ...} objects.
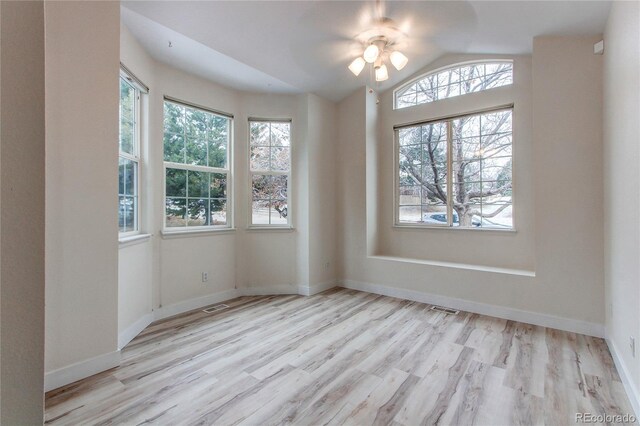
[
  {"x": 127, "y": 117},
  {"x": 198, "y": 138}
]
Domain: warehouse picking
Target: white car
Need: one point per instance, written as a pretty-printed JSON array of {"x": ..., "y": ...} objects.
[{"x": 440, "y": 218}]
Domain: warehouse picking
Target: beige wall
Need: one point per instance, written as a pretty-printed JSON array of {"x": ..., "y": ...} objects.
[
  {"x": 565, "y": 253},
  {"x": 322, "y": 189},
  {"x": 622, "y": 186},
  {"x": 352, "y": 216},
  {"x": 567, "y": 117},
  {"x": 22, "y": 145},
  {"x": 256, "y": 261},
  {"x": 82, "y": 56}
]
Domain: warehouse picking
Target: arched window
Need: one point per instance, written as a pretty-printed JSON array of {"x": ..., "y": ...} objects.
[{"x": 453, "y": 81}]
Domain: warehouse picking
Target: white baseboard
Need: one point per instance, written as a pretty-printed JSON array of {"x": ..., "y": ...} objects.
[
  {"x": 625, "y": 376},
  {"x": 269, "y": 290},
  {"x": 316, "y": 288},
  {"x": 196, "y": 303},
  {"x": 134, "y": 329},
  {"x": 74, "y": 372},
  {"x": 200, "y": 302},
  {"x": 551, "y": 321}
]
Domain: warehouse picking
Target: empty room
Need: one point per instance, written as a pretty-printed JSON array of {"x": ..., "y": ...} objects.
[{"x": 319, "y": 212}]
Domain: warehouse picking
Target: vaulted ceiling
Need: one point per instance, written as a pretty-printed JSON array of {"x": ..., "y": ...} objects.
[{"x": 305, "y": 46}]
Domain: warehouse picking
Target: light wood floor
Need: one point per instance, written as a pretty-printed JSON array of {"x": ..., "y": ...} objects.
[{"x": 345, "y": 357}]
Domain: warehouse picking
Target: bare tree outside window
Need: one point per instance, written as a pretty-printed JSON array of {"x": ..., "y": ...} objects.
[
  {"x": 270, "y": 165},
  {"x": 462, "y": 165},
  {"x": 455, "y": 81},
  {"x": 456, "y": 172}
]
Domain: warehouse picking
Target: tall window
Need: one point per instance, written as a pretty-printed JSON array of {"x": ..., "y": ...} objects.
[
  {"x": 456, "y": 172},
  {"x": 454, "y": 81},
  {"x": 270, "y": 168},
  {"x": 129, "y": 160},
  {"x": 196, "y": 162}
]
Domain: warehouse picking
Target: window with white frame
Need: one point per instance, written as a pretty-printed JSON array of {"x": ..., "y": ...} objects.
[
  {"x": 270, "y": 169},
  {"x": 456, "y": 172},
  {"x": 129, "y": 157},
  {"x": 453, "y": 81},
  {"x": 196, "y": 163}
]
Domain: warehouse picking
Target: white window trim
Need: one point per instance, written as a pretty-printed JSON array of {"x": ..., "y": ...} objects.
[
  {"x": 175, "y": 231},
  {"x": 444, "y": 68},
  {"x": 133, "y": 240},
  {"x": 290, "y": 210},
  {"x": 200, "y": 231},
  {"x": 396, "y": 175},
  {"x": 136, "y": 157}
]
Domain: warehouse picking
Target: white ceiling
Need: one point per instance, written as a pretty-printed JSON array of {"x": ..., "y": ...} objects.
[{"x": 305, "y": 46}]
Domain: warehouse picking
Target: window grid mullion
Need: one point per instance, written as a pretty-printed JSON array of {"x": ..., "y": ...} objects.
[
  {"x": 481, "y": 164},
  {"x": 186, "y": 206},
  {"x": 184, "y": 138},
  {"x": 424, "y": 200},
  {"x": 270, "y": 165},
  {"x": 450, "y": 174}
]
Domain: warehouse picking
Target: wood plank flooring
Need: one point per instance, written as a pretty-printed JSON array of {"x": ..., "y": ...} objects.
[{"x": 345, "y": 357}]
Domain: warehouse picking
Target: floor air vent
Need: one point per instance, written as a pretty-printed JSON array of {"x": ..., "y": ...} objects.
[
  {"x": 444, "y": 310},
  {"x": 215, "y": 308}
]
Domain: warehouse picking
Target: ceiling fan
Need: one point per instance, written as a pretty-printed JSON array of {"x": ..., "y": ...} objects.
[{"x": 380, "y": 44}]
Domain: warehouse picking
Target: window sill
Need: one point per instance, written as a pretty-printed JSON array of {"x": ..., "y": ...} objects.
[
  {"x": 133, "y": 240},
  {"x": 166, "y": 234},
  {"x": 444, "y": 264},
  {"x": 271, "y": 228},
  {"x": 455, "y": 228}
]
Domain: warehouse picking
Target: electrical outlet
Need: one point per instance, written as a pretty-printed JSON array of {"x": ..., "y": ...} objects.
[
  {"x": 326, "y": 265},
  {"x": 632, "y": 345},
  {"x": 205, "y": 277}
]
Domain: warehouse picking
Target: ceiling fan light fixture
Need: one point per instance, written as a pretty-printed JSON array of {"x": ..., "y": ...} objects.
[
  {"x": 381, "y": 73},
  {"x": 357, "y": 66},
  {"x": 380, "y": 43},
  {"x": 371, "y": 53},
  {"x": 398, "y": 60}
]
